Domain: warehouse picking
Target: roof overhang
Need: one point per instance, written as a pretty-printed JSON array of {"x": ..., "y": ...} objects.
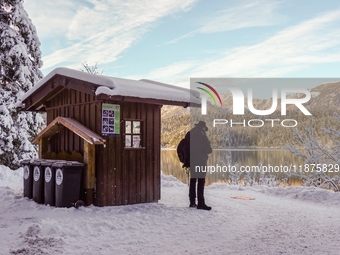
[
  {"x": 36, "y": 98},
  {"x": 73, "y": 125},
  {"x": 104, "y": 87}
]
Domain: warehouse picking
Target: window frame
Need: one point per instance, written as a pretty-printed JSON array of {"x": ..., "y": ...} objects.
[{"x": 141, "y": 134}]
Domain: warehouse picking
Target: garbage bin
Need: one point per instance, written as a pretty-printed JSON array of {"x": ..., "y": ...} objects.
[
  {"x": 68, "y": 180},
  {"x": 28, "y": 178},
  {"x": 49, "y": 181},
  {"x": 38, "y": 181}
]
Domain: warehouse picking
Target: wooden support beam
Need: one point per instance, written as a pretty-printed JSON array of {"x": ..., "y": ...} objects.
[
  {"x": 54, "y": 95},
  {"x": 89, "y": 172},
  {"x": 43, "y": 146}
]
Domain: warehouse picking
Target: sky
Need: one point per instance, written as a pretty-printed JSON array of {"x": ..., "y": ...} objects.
[{"x": 172, "y": 41}]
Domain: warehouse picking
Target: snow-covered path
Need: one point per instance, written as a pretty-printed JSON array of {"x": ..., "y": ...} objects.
[{"x": 294, "y": 220}]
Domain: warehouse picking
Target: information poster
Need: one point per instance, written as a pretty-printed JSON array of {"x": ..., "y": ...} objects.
[
  {"x": 110, "y": 119},
  {"x": 136, "y": 141}
]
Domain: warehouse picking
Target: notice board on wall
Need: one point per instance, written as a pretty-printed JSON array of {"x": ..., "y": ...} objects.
[{"x": 110, "y": 119}]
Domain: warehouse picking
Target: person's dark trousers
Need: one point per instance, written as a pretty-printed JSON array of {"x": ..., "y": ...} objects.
[{"x": 200, "y": 191}]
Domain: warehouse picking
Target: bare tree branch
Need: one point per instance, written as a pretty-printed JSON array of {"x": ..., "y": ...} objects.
[
  {"x": 315, "y": 154},
  {"x": 91, "y": 69}
]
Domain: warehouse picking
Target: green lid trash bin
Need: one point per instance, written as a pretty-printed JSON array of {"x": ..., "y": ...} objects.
[
  {"x": 28, "y": 178},
  {"x": 38, "y": 180},
  {"x": 67, "y": 183}
]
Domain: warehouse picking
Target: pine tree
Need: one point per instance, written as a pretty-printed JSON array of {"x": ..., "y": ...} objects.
[{"x": 20, "y": 60}]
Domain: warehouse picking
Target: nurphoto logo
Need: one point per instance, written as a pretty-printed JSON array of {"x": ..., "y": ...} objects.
[{"x": 238, "y": 100}]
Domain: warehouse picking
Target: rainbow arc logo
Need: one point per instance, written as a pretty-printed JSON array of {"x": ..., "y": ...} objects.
[{"x": 209, "y": 93}]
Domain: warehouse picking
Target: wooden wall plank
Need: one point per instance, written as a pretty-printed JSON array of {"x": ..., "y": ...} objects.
[
  {"x": 124, "y": 178},
  {"x": 138, "y": 158},
  {"x": 149, "y": 153},
  {"x": 98, "y": 123},
  {"x": 59, "y": 98},
  {"x": 82, "y": 116},
  {"x": 49, "y": 116},
  {"x": 109, "y": 172},
  {"x": 132, "y": 177},
  {"x": 87, "y": 111},
  {"x": 90, "y": 171},
  {"x": 157, "y": 150},
  {"x": 62, "y": 102},
  {"x": 143, "y": 163},
  {"x": 112, "y": 172},
  {"x": 53, "y": 139},
  {"x": 61, "y": 135},
  {"x": 73, "y": 101},
  {"x": 132, "y": 173},
  {"x": 77, "y": 117},
  {"x": 99, "y": 154},
  {"x": 43, "y": 147},
  {"x": 56, "y": 114},
  {"x": 98, "y": 196},
  {"x": 105, "y": 173},
  {"x": 63, "y": 114},
  {"x": 125, "y": 109},
  {"x": 92, "y": 125},
  {"x": 68, "y": 93},
  {"x": 70, "y": 134},
  {"x": 118, "y": 169},
  {"x": 104, "y": 169},
  {"x": 67, "y": 133}
]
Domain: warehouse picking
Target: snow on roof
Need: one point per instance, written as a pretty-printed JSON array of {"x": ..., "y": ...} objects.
[
  {"x": 73, "y": 125},
  {"x": 79, "y": 75},
  {"x": 123, "y": 87},
  {"x": 82, "y": 131}
]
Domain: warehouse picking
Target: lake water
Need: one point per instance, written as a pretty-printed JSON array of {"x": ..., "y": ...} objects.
[{"x": 170, "y": 164}]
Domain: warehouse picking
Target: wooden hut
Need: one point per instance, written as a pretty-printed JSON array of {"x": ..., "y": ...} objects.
[{"x": 112, "y": 125}]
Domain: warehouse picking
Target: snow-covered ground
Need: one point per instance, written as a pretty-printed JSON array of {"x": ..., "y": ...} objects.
[{"x": 293, "y": 220}]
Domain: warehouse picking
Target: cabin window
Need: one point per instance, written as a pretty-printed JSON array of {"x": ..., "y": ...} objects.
[{"x": 133, "y": 137}]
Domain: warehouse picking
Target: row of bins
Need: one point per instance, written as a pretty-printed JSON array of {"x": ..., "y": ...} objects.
[{"x": 53, "y": 182}]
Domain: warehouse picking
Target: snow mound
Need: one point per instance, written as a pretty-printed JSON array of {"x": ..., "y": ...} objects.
[
  {"x": 309, "y": 194},
  {"x": 11, "y": 178},
  {"x": 34, "y": 244},
  {"x": 223, "y": 186},
  {"x": 170, "y": 181}
]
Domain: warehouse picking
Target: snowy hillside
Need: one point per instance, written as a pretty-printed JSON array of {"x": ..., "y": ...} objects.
[{"x": 294, "y": 220}]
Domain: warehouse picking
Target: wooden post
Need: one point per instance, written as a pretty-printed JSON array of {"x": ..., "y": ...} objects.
[
  {"x": 43, "y": 146},
  {"x": 90, "y": 171}
]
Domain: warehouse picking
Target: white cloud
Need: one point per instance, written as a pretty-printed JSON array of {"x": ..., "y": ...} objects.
[
  {"x": 170, "y": 74},
  {"x": 101, "y": 30},
  {"x": 291, "y": 49},
  {"x": 250, "y": 14},
  {"x": 52, "y": 18},
  {"x": 294, "y": 48}
]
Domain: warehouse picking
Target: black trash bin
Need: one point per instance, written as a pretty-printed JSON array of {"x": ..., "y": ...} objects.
[
  {"x": 28, "y": 178},
  {"x": 49, "y": 181},
  {"x": 38, "y": 180},
  {"x": 68, "y": 181}
]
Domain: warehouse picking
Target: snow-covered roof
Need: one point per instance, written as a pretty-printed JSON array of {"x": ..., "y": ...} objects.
[
  {"x": 73, "y": 125},
  {"x": 123, "y": 87}
]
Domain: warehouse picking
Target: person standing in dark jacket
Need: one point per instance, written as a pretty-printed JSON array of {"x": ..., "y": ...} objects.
[{"x": 199, "y": 148}]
